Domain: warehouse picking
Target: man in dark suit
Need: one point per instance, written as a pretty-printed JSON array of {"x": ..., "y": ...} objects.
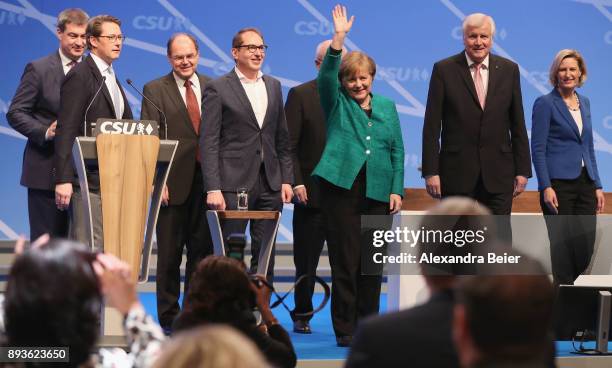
[
  {"x": 475, "y": 106},
  {"x": 104, "y": 40},
  {"x": 33, "y": 113},
  {"x": 504, "y": 320},
  {"x": 182, "y": 220},
  {"x": 245, "y": 142},
  {"x": 421, "y": 336},
  {"x": 307, "y": 132}
]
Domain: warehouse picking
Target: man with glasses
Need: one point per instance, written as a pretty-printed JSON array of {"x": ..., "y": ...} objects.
[
  {"x": 245, "y": 142},
  {"x": 104, "y": 40},
  {"x": 182, "y": 220},
  {"x": 33, "y": 113}
]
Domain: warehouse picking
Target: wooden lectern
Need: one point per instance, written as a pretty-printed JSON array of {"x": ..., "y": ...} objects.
[{"x": 133, "y": 166}]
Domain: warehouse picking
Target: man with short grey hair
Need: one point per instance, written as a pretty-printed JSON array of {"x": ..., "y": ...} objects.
[
  {"x": 474, "y": 137},
  {"x": 33, "y": 113}
]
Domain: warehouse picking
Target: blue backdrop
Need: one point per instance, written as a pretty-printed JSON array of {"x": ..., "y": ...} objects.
[{"x": 405, "y": 39}]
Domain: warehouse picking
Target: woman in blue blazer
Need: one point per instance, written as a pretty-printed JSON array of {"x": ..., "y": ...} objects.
[{"x": 564, "y": 160}]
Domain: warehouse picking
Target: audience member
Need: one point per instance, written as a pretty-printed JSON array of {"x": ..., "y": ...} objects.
[
  {"x": 221, "y": 292},
  {"x": 420, "y": 336},
  {"x": 54, "y": 298},
  {"x": 211, "y": 347},
  {"x": 504, "y": 320}
]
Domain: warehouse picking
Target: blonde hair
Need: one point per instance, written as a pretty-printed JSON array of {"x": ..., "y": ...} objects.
[
  {"x": 355, "y": 61},
  {"x": 556, "y": 64},
  {"x": 210, "y": 346}
]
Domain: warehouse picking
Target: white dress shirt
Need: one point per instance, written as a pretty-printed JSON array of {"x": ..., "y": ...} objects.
[
  {"x": 256, "y": 93},
  {"x": 66, "y": 60},
  {"x": 111, "y": 83},
  {"x": 484, "y": 71},
  {"x": 195, "y": 86}
]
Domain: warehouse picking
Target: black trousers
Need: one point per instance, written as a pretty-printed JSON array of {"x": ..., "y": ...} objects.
[
  {"x": 354, "y": 295},
  {"x": 261, "y": 197},
  {"x": 310, "y": 230},
  {"x": 44, "y": 216},
  {"x": 180, "y": 226},
  {"x": 572, "y": 232},
  {"x": 499, "y": 204}
]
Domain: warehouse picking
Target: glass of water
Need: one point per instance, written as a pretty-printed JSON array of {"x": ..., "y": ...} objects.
[{"x": 242, "y": 199}]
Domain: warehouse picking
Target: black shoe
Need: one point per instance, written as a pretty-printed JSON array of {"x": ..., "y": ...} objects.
[
  {"x": 301, "y": 327},
  {"x": 344, "y": 341}
]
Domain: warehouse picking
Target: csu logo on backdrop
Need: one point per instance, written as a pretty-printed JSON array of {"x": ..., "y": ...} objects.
[
  {"x": 127, "y": 127},
  {"x": 312, "y": 28},
  {"x": 160, "y": 23},
  {"x": 11, "y": 19}
]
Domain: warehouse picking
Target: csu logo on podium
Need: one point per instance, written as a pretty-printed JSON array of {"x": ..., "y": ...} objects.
[{"x": 127, "y": 127}]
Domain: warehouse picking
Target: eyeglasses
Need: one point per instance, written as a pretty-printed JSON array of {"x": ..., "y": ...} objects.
[
  {"x": 253, "y": 48},
  {"x": 178, "y": 58},
  {"x": 74, "y": 36},
  {"x": 113, "y": 38}
]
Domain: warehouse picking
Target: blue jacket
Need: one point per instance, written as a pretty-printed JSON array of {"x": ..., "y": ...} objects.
[{"x": 557, "y": 147}]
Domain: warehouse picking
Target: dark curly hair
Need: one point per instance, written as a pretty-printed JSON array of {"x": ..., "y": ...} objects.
[
  {"x": 53, "y": 299},
  {"x": 219, "y": 291}
]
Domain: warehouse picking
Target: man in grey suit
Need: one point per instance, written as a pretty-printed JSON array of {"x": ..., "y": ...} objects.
[
  {"x": 33, "y": 113},
  {"x": 182, "y": 221},
  {"x": 245, "y": 142}
]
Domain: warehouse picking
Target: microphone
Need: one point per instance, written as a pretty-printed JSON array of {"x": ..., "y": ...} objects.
[
  {"x": 129, "y": 81},
  {"x": 91, "y": 102}
]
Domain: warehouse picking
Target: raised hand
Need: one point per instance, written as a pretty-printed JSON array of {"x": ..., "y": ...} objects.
[{"x": 341, "y": 23}]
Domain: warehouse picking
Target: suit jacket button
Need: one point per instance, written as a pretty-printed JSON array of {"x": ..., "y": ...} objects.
[
  {"x": 367, "y": 152},
  {"x": 369, "y": 123},
  {"x": 257, "y": 152}
]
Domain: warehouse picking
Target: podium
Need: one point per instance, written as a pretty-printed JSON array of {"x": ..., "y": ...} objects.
[{"x": 133, "y": 166}]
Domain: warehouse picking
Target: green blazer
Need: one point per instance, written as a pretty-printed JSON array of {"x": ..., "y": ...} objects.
[{"x": 354, "y": 139}]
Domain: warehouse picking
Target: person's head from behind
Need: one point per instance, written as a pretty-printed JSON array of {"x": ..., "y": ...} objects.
[
  {"x": 219, "y": 290},
  {"x": 459, "y": 215},
  {"x": 53, "y": 299},
  {"x": 357, "y": 72},
  {"x": 321, "y": 50},
  {"x": 211, "y": 346},
  {"x": 501, "y": 318}
]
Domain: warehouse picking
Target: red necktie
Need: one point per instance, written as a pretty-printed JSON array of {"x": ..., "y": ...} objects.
[
  {"x": 193, "y": 110},
  {"x": 192, "y": 107}
]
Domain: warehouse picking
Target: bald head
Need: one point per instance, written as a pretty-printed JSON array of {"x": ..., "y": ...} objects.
[{"x": 322, "y": 49}]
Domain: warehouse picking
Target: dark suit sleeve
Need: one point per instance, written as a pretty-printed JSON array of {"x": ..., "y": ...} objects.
[
  {"x": 520, "y": 141},
  {"x": 19, "y": 115},
  {"x": 294, "y": 115},
  {"x": 210, "y": 131},
  {"x": 283, "y": 148},
  {"x": 148, "y": 112},
  {"x": 433, "y": 124},
  {"x": 73, "y": 102},
  {"x": 540, "y": 125},
  {"x": 362, "y": 353}
]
